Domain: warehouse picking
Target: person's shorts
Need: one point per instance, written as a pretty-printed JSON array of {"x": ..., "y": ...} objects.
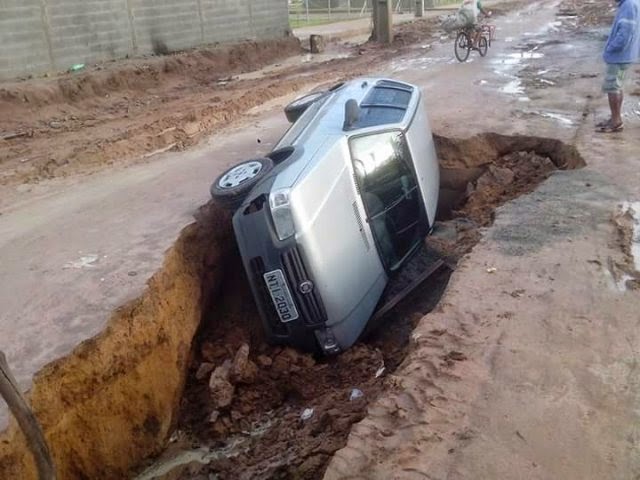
[{"x": 614, "y": 77}]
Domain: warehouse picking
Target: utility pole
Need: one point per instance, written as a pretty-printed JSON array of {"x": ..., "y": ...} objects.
[{"x": 382, "y": 21}]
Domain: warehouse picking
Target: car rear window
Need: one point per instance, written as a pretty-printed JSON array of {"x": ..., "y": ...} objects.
[
  {"x": 386, "y": 103},
  {"x": 388, "y": 96},
  {"x": 371, "y": 116}
]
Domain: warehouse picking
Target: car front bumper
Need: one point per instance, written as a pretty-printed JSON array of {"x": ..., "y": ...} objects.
[{"x": 263, "y": 255}]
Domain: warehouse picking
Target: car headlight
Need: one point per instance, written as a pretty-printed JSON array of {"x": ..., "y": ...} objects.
[{"x": 281, "y": 213}]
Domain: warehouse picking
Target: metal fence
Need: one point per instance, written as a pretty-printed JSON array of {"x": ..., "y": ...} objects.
[{"x": 314, "y": 12}]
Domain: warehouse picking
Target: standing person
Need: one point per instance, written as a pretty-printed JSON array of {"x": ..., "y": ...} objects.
[{"x": 622, "y": 49}]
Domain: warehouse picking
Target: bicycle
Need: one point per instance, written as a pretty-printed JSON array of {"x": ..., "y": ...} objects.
[{"x": 464, "y": 43}]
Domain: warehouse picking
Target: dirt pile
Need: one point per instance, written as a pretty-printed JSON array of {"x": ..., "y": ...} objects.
[
  {"x": 206, "y": 65},
  {"x": 126, "y": 111},
  {"x": 589, "y": 14},
  {"x": 113, "y": 400},
  {"x": 255, "y": 396},
  {"x": 480, "y": 173}
]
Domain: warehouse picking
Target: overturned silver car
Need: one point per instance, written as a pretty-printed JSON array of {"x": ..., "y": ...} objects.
[{"x": 342, "y": 202}]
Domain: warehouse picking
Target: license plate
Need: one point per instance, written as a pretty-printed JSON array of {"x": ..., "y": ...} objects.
[{"x": 281, "y": 296}]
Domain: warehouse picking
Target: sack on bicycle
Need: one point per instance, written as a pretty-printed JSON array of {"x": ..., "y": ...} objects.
[
  {"x": 452, "y": 23},
  {"x": 461, "y": 19}
]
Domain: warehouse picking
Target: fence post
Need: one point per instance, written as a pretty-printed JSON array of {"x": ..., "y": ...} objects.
[
  {"x": 329, "y": 8},
  {"x": 419, "y": 8}
]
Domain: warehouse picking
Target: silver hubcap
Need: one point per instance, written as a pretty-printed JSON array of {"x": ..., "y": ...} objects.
[{"x": 240, "y": 174}]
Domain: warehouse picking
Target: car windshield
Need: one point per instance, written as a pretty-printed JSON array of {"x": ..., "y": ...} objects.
[{"x": 389, "y": 192}]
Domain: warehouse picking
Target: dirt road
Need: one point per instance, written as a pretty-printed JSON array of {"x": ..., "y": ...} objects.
[{"x": 538, "y": 319}]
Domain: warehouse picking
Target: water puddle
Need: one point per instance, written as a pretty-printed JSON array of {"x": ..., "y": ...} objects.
[
  {"x": 514, "y": 87},
  {"x": 558, "y": 117},
  {"x": 421, "y": 63},
  {"x": 633, "y": 210},
  {"x": 630, "y": 110},
  {"x": 203, "y": 456}
]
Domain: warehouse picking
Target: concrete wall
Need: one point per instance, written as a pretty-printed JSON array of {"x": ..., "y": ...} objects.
[{"x": 38, "y": 36}]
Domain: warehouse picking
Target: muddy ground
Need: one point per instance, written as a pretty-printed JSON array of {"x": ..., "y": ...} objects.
[{"x": 251, "y": 425}]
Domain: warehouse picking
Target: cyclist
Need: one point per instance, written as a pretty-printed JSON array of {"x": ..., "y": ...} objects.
[{"x": 468, "y": 15}]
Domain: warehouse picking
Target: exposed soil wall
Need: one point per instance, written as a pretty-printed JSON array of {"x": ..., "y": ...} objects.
[
  {"x": 112, "y": 401},
  {"x": 141, "y": 74}
]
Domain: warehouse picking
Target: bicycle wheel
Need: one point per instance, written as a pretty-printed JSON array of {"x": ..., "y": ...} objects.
[
  {"x": 482, "y": 46},
  {"x": 462, "y": 46}
]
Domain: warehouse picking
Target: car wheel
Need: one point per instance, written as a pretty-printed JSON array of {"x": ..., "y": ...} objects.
[
  {"x": 298, "y": 107},
  {"x": 230, "y": 188}
]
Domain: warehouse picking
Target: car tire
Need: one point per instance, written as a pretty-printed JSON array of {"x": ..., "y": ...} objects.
[
  {"x": 298, "y": 106},
  {"x": 233, "y": 185}
]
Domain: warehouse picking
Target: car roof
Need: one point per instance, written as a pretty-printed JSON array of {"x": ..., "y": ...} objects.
[{"x": 382, "y": 102}]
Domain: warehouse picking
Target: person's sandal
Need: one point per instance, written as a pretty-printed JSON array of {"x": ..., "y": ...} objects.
[{"x": 610, "y": 128}]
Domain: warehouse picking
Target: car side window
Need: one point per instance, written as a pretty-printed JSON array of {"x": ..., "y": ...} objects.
[{"x": 382, "y": 165}]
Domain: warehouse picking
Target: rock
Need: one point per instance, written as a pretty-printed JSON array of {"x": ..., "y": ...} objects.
[
  {"x": 220, "y": 388},
  {"x": 204, "y": 370},
  {"x": 236, "y": 415},
  {"x": 243, "y": 369},
  {"x": 264, "y": 361},
  {"x": 503, "y": 176},
  {"x": 307, "y": 361},
  {"x": 485, "y": 181},
  {"x": 191, "y": 129},
  {"x": 213, "y": 353},
  {"x": 220, "y": 429},
  {"x": 316, "y": 43},
  {"x": 213, "y": 417},
  {"x": 285, "y": 360}
]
